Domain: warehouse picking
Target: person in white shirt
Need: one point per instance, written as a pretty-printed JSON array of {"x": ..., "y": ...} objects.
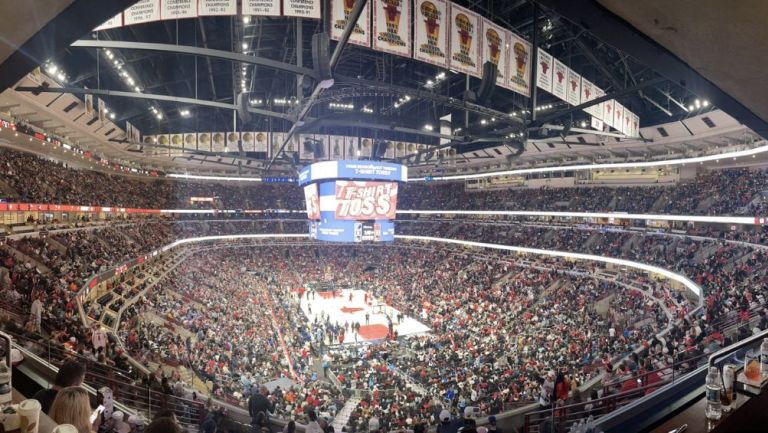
[{"x": 36, "y": 312}]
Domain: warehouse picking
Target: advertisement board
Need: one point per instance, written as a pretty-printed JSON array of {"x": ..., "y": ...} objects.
[{"x": 365, "y": 200}]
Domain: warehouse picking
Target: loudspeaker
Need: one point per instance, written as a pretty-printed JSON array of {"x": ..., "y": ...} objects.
[
  {"x": 241, "y": 103},
  {"x": 488, "y": 84},
  {"x": 321, "y": 55}
]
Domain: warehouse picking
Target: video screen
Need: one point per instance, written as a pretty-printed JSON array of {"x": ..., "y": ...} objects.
[
  {"x": 365, "y": 200},
  {"x": 313, "y": 201}
]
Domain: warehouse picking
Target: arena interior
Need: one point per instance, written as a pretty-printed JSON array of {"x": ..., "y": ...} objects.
[{"x": 370, "y": 216}]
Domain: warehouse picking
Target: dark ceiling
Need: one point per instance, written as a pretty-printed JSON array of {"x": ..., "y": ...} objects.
[{"x": 276, "y": 38}]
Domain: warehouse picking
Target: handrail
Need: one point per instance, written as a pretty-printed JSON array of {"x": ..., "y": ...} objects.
[{"x": 736, "y": 346}]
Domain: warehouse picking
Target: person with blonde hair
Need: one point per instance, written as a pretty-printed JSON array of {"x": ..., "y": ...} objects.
[{"x": 72, "y": 406}]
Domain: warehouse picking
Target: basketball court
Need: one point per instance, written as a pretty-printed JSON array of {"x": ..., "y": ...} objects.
[{"x": 342, "y": 308}]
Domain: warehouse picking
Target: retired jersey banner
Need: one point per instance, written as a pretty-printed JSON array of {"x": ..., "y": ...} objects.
[
  {"x": 495, "y": 49},
  {"x": 635, "y": 126},
  {"x": 178, "y": 9},
  {"x": 545, "y": 73},
  {"x": 465, "y": 41},
  {"x": 392, "y": 26},
  {"x": 574, "y": 88},
  {"x": 222, "y": 7},
  {"x": 365, "y": 200},
  {"x": 519, "y": 72},
  {"x": 361, "y": 34},
  {"x": 597, "y": 109},
  {"x": 302, "y": 8},
  {"x": 269, "y": 8},
  {"x": 560, "y": 80},
  {"x": 430, "y": 30},
  {"x": 144, "y": 11},
  {"x": 627, "y": 122},
  {"x": 587, "y": 94},
  {"x": 114, "y": 22}
]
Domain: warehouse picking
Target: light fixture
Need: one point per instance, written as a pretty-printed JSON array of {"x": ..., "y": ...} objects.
[
  {"x": 428, "y": 127},
  {"x": 705, "y": 103},
  {"x": 246, "y": 19},
  {"x": 112, "y": 116},
  {"x": 483, "y": 122},
  {"x": 690, "y": 108},
  {"x": 245, "y": 45},
  {"x": 184, "y": 113}
]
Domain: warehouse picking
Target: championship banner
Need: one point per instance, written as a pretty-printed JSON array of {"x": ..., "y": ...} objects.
[
  {"x": 389, "y": 153},
  {"x": 392, "y": 26},
  {"x": 302, "y": 8},
  {"x": 560, "y": 80},
  {"x": 261, "y": 143},
  {"x": 597, "y": 109},
  {"x": 204, "y": 141},
  {"x": 269, "y": 8},
  {"x": 544, "y": 74},
  {"x": 574, "y": 88},
  {"x": 430, "y": 30},
  {"x": 363, "y": 200},
  {"x": 144, "y": 11},
  {"x": 114, "y": 22},
  {"x": 618, "y": 120},
  {"x": 465, "y": 41},
  {"x": 587, "y": 94},
  {"x": 495, "y": 49},
  {"x": 361, "y": 34},
  {"x": 221, "y": 7},
  {"x": 313, "y": 201},
  {"x": 336, "y": 146},
  {"x": 519, "y": 72},
  {"x": 608, "y": 112},
  {"x": 635, "y": 128},
  {"x": 178, "y": 9}
]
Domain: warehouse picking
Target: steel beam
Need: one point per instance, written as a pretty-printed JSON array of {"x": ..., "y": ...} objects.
[
  {"x": 152, "y": 97},
  {"x": 319, "y": 87},
  {"x": 197, "y": 51},
  {"x": 613, "y": 30}
]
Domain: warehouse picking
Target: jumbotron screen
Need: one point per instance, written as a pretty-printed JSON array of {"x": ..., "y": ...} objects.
[{"x": 365, "y": 200}]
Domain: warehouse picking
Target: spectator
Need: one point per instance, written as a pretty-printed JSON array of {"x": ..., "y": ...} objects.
[
  {"x": 72, "y": 406},
  {"x": 71, "y": 373}
]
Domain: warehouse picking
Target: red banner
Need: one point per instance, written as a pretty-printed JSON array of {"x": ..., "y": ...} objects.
[{"x": 365, "y": 200}]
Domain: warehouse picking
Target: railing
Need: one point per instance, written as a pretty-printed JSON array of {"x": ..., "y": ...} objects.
[
  {"x": 560, "y": 418},
  {"x": 124, "y": 384}
]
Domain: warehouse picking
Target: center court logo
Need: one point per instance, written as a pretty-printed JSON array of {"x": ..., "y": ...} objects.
[
  {"x": 432, "y": 24},
  {"x": 392, "y": 13}
]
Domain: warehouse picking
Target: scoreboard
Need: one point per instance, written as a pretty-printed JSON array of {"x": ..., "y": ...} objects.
[{"x": 352, "y": 201}]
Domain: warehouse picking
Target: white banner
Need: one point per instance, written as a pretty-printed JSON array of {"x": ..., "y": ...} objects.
[
  {"x": 635, "y": 128},
  {"x": 90, "y": 111},
  {"x": 270, "y": 8},
  {"x": 144, "y": 11},
  {"x": 392, "y": 26},
  {"x": 361, "y": 34},
  {"x": 608, "y": 112},
  {"x": 221, "y": 7},
  {"x": 430, "y": 30},
  {"x": 366, "y": 148},
  {"x": 352, "y": 148},
  {"x": 596, "y": 123},
  {"x": 178, "y": 9},
  {"x": 465, "y": 41},
  {"x": 204, "y": 141},
  {"x": 560, "y": 80},
  {"x": 232, "y": 139},
  {"x": 336, "y": 144},
  {"x": 102, "y": 111},
  {"x": 618, "y": 119},
  {"x": 129, "y": 132},
  {"x": 597, "y": 109},
  {"x": 495, "y": 43},
  {"x": 302, "y": 8},
  {"x": 190, "y": 141},
  {"x": 177, "y": 140},
  {"x": 587, "y": 94},
  {"x": 545, "y": 72},
  {"x": 136, "y": 134},
  {"x": 574, "y": 88},
  {"x": 519, "y": 72},
  {"x": 218, "y": 142},
  {"x": 114, "y": 22},
  {"x": 261, "y": 143}
]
